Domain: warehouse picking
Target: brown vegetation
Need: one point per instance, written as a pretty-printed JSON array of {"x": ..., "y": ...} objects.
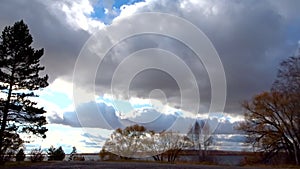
[{"x": 272, "y": 119}]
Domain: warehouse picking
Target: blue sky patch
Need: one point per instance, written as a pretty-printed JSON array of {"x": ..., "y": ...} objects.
[{"x": 99, "y": 10}]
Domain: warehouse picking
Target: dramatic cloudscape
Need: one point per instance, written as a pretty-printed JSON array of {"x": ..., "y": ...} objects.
[{"x": 251, "y": 38}]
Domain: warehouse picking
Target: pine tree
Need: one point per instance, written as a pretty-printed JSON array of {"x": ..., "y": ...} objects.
[
  {"x": 59, "y": 154},
  {"x": 51, "y": 152},
  {"x": 20, "y": 156},
  {"x": 56, "y": 154},
  {"x": 19, "y": 78}
]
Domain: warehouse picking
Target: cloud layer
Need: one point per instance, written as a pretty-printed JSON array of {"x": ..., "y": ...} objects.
[{"x": 251, "y": 38}]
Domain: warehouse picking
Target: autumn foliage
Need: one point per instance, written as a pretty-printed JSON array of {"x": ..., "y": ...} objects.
[{"x": 272, "y": 119}]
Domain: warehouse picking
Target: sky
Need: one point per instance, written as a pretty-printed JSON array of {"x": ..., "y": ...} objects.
[{"x": 160, "y": 63}]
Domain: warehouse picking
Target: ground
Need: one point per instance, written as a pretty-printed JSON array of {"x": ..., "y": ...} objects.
[{"x": 118, "y": 165}]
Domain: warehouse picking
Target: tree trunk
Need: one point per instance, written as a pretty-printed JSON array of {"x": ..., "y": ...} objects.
[
  {"x": 199, "y": 152},
  {"x": 4, "y": 120},
  {"x": 155, "y": 158},
  {"x": 296, "y": 154}
]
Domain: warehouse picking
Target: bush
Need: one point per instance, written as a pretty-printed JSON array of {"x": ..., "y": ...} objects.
[
  {"x": 252, "y": 159},
  {"x": 56, "y": 154},
  {"x": 9, "y": 155},
  {"x": 79, "y": 158},
  {"x": 73, "y": 154},
  {"x": 75, "y": 157},
  {"x": 36, "y": 155},
  {"x": 106, "y": 155},
  {"x": 20, "y": 156}
]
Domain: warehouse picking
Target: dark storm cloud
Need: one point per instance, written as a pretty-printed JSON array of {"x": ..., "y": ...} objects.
[
  {"x": 61, "y": 42},
  {"x": 149, "y": 79},
  {"x": 251, "y": 37}
]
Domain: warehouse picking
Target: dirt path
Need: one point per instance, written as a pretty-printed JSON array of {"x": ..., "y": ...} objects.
[{"x": 122, "y": 165}]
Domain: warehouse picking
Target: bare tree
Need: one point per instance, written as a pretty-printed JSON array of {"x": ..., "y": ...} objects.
[
  {"x": 127, "y": 143},
  {"x": 174, "y": 143},
  {"x": 272, "y": 119},
  {"x": 201, "y": 137},
  {"x": 138, "y": 142},
  {"x": 288, "y": 77}
]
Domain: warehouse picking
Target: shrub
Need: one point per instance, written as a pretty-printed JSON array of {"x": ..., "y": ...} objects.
[
  {"x": 79, "y": 158},
  {"x": 36, "y": 155},
  {"x": 56, "y": 154},
  {"x": 9, "y": 155},
  {"x": 106, "y": 155},
  {"x": 75, "y": 157},
  {"x": 20, "y": 156},
  {"x": 252, "y": 159},
  {"x": 73, "y": 154}
]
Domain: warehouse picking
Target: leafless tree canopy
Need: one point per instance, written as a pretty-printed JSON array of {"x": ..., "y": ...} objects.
[
  {"x": 136, "y": 141},
  {"x": 272, "y": 119}
]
